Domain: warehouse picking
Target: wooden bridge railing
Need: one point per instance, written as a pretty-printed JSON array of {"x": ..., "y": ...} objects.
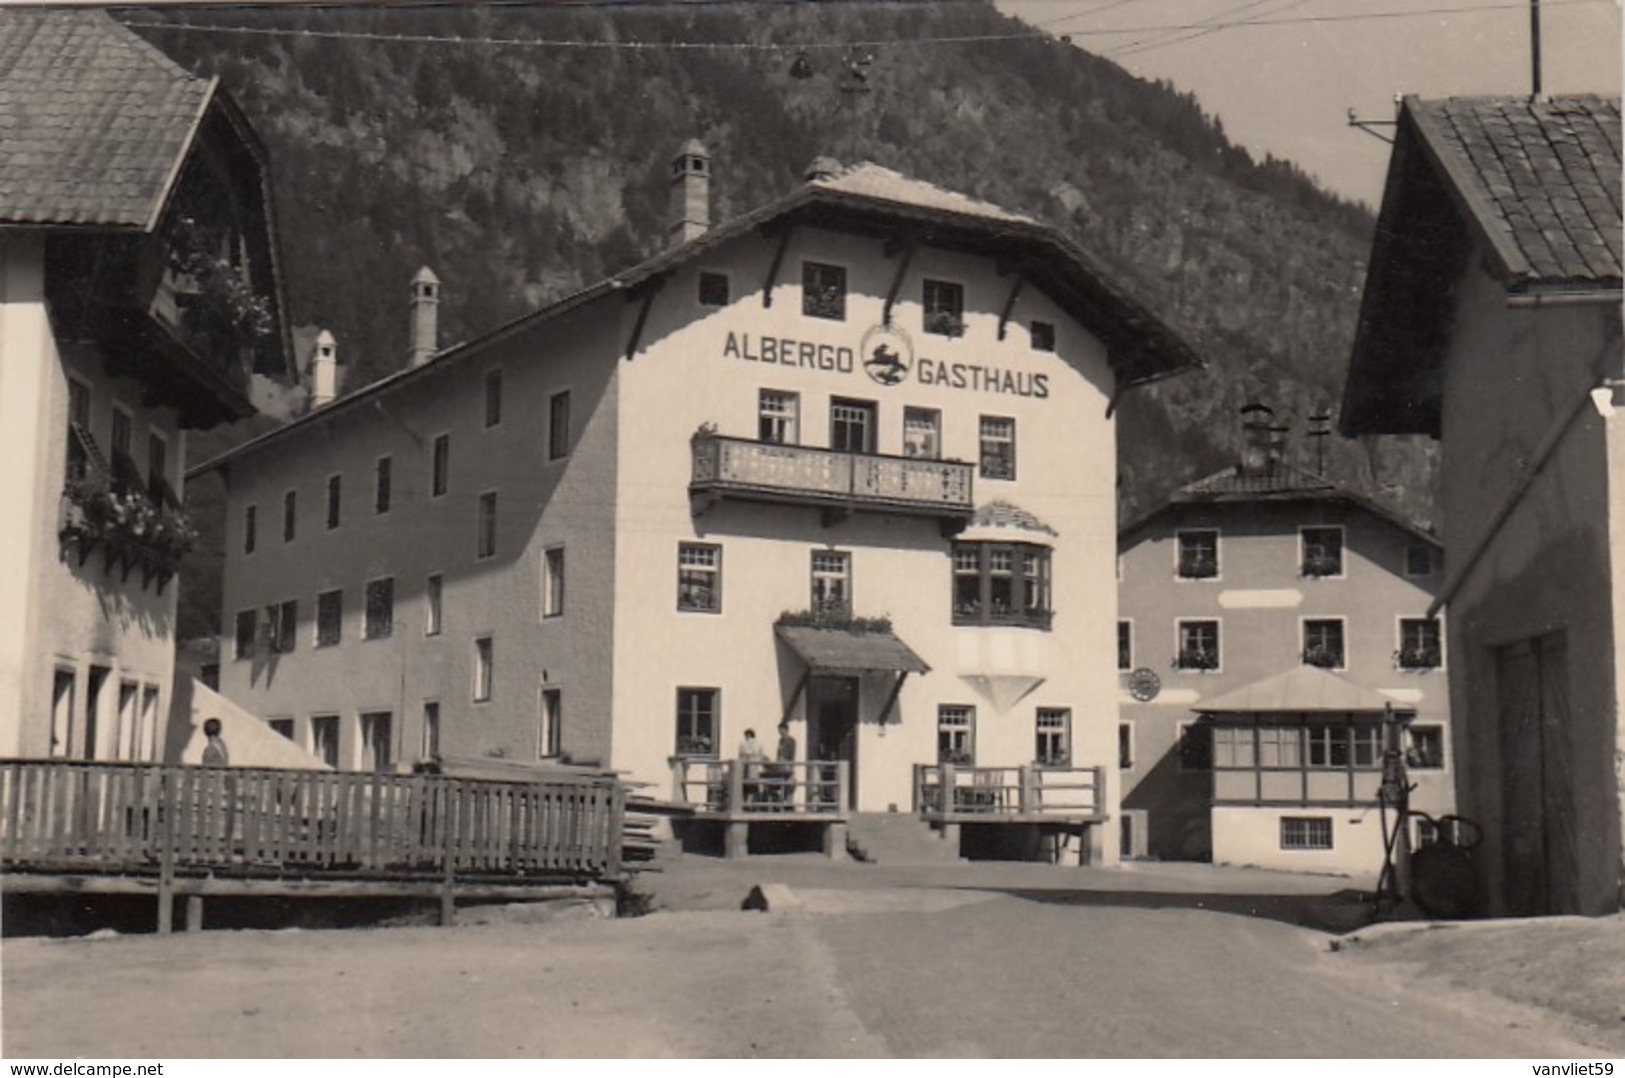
[
  {"x": 994, "y": 793},
  {"x": 817, "y": 787},
  {"x": 113, "y": 817}
]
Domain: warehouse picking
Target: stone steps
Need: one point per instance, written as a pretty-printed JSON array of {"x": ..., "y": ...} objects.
[{"x": 897, "y": 838}]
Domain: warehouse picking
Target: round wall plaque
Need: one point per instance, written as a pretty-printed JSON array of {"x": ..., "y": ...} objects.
[{"x": 1144, "y": 684}]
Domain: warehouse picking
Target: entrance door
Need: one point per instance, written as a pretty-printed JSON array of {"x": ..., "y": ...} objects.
[
  {"x": 1538, "y": 825},
  {"x": 832, "y": 727}
]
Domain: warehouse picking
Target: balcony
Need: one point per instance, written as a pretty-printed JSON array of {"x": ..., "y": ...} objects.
[{"x": 835, "y": 481}]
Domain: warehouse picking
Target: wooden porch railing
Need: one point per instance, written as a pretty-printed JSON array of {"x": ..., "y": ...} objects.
[
  {"x": 943, "y": 791},
  {"x": 133, "y": 818},
  {"x": 815, "y": 787}
]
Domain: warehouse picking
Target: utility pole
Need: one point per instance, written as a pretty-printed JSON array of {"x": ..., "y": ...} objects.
[{"x": 1534, "y": 49}]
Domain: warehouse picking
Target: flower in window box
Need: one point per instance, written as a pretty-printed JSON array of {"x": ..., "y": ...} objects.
[
  {"x": 1322, "y": 565},
  {"x": 1197, "y": 659},
  {"x": 1055, "y": 759},
  {"x": 1198, "y": 567},
  {"x": 694, "y": 746},
  {"x": 1322, "y": 656},
  {"x": 944, "y": 324},
  {"x": 1417, "y": 658},
  {"x": 956, "y": 757}
]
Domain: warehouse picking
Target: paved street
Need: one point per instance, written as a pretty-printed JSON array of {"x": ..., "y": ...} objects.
[{"x": 869, "y": 963}]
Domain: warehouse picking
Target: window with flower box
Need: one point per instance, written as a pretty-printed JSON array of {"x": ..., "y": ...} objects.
[
  {"x": 823, "y": 291},
  {"x": 1001, "y": 584},
  {"x": 1323, "y": 643},
  {"x": 697, "y": 713},
  {"x": 956, "y": 735},
  {"x": 1198, "y": 645},
  {"x": 1198, "y": 554},
  {"x": 922, "y": 433},
  {"x": 699, "y": 578},
  {"x": 1322, "y": 550},
  {"x": 944, "y": 303},
  {"x": 1421, "y": 647},
  {"x": 832, "y": 584}
]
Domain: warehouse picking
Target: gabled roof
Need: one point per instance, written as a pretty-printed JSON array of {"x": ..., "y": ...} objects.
[
  {"x": 1536, "y": 184},
  {"x": 1281, "y": 483},
  {"x": 93, "y": 120},
  {"x": 870, "y": 199},
  {"x": 1300, "y": 689}
]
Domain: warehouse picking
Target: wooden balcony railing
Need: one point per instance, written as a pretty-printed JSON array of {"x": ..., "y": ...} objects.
[
  {"x": 737, "y": 467},
  {"x": 134, "y": 818},
  {"x": 815, "y": 787},
  {"x": 992, "y": 794}
]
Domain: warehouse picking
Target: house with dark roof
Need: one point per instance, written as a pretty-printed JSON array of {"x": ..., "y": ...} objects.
[
  {"x": 138, "y": 299},
  {"x": 1274, "y": 640},
  {"x": 845, "y": 462},
  {"x": 1491, "y": 321}
]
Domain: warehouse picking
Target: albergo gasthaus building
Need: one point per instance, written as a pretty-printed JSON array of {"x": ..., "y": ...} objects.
[{"x": 613, "y": 531}]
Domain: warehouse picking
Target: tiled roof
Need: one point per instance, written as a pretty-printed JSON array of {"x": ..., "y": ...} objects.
[
  {"x": 93, "y": 120},
  {"x": 1302, "y": 688},
  {"x": 1281, "y": 479},
  {"x": 873, "y": 181},
  {"x": 1006, "y": 515},
  {"x": 850, "y": 651},
  {"x": 1540, "y": 178}
]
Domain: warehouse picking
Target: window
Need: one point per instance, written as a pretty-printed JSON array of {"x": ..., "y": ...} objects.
[
  {"x": 334, "y": 494},
  {"x": 123, "y": 432},
  {"x": 281, "y": 726},
  {"x": 290, "y": 515},
  {"x": 1340, "y": 745},
  {"x": 1418, "y": 560},
  {"x": 381, "y": 485},
  {"x": 922, "y": 433},
  {"x": 483, "y": 659},
  {"x": 778, "y": 417},
  {"x": 713, "y": 289},
  {"x": 440, "y": 476},
  {"x": 283, "y": 620},
  {"x": 944, "y": 304},
  {"x": 158, "y": 468},
  {"x": 558, "y": 426},
  {"x": 1323, "y": 643},
  {"x": 1198, "y": 645},
  {"x": 851, "y": 425},
  {"x": 1306, "y": 832},
  {"x": 64, "y": 682},
  {"x": 493, "y": 397},
  {"x": 1001, "y": 584},
  {"x": 487, "y": 539},
  {"x": 823, "y": 291},
  {"x": 1195, "y": 747},
  {"x": 1043, "y": 336},
  {"x": 432, "y": 588},
  {"x": 1280, "y": 746},
  {"x": 1234, "y": 746},
  {"x": 376, "y": 748},
  {"x": 998, "y": 447},
  {"x": 699, "y": 578},
  {"x": 832, "y": 583},
  {"x": 78, "y": 428},
  {"x": 1425, "y": 747},
  {"x": 380, "y": 608},
  {"x": 553, "y": 582},
  {"x": 329, "y": 618},
  {"x": 1322, "y": 551},
  {"x": 956, "y": 735},
  {"x": 1420, "y": 645},
  {"x": 1053, "y": 737},
  {"x": 430, "y": 746},
  {"x": 247, "y": 629},
  {"x": 324, "y": 738},
  {"x": 1125, "y": 645},
  {"x": 1198, "y": 554},
  {"x": 1125, "y": 746},
  {"x": 550, "y": 721},
  {"x": 250, "y": 527},
  {"x": 697, "y": 722}
]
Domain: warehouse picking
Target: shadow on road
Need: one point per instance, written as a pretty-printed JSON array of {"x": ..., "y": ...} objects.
[{"x": 1335, "y": 913}]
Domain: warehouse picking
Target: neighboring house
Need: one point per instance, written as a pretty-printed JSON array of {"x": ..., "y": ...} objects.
[
  {"x": 1491, "y": 321},
  {"x": 871, "y": 402},
  {"x": 138, "y": 294},
  {"x": 1269, "y": 620}
]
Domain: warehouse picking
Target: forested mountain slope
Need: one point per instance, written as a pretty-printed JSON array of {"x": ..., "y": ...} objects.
[{"x": 521, "y": 172}]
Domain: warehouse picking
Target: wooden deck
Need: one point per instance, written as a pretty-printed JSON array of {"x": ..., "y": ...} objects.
[
  {"x": 95, "y": 827},
  {"x": 809, "y": 793},
  {"x": 1053, "y": 801}
]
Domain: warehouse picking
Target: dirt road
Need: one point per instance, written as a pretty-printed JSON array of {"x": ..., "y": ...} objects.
[{"x": 878, "y": 972}]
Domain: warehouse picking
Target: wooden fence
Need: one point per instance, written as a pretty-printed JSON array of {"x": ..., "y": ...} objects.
[
  {"x": 1009, "y": 794},
  {"x": 58, "y": 815},
  {"x": 815, "y": 787}
]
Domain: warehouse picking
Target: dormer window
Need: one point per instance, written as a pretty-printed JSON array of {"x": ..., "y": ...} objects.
[
  {"x": 823, "y": 291},
  {"x": 1322, "y": 551},
  {"x": 1198, "y": 554},
  {"x": 944, "y": 308}
]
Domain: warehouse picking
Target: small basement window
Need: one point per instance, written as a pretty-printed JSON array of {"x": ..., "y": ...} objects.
[{"x": 1306, "y": 832}]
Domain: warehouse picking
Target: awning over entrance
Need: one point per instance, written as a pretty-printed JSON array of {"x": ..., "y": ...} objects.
[
  {"x": 850, "y": 651},
  {"x": 1303, "y": 688}
]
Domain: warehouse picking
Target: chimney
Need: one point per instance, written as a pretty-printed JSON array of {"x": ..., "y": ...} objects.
[
  {"x": 690, "y": 214},
  {"x": 324, "y": 371},
  {"x": 1256, "y": 439},
  {"x": 425, "y": 318},
  {"x": 822, "y": 168}
]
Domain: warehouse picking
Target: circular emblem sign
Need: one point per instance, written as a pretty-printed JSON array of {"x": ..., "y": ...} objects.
[
  {"x": 1144, "y": 684},
  {"x": 887, "y": 354}
]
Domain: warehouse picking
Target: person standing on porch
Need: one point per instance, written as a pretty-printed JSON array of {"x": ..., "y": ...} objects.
[
  {"x": 214, "y": 753},
  {"x": 751, "y": 757},
  {"x": 784, "y": 766}
]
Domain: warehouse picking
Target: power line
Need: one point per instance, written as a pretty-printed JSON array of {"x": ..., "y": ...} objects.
[{"x": 754, "y": 46}]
